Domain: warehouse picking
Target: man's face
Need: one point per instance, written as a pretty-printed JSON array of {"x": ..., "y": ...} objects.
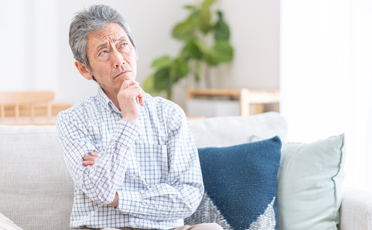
[{"x": 112, "y": 57}]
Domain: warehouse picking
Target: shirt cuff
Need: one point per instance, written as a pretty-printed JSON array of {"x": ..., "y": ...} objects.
[
  {"x": 129, "y": 202},
  {"x": 126, "y": 132}
]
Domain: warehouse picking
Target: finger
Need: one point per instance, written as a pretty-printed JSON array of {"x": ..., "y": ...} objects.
[
  {"x": 87, "y": 163},
  {"x": 127, "y": 83},
  {"x": 141, "y": 98},
  {"x": 135, "y": 91},
  {"x": 89, "y": 158}
]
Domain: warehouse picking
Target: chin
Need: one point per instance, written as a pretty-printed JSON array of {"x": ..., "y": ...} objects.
[{"x": 126, "y": 77}]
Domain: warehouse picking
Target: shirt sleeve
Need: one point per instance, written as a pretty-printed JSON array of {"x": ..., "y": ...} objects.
[
  {"x": 182, "y": 192},
  {"x": 100, "y": 181}
]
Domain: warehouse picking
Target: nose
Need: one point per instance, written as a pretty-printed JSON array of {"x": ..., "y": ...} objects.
[{"x": 118, "y": 59}]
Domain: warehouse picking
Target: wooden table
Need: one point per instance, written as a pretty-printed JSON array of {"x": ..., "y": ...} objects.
[{"x": 246, "y": 97}]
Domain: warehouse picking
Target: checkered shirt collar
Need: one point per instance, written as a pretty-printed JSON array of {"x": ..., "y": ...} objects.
[{"x": 105, "y": 101}]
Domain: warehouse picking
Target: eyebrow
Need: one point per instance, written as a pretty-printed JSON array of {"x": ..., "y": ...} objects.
[
  {"x": 106, "y": 43},
  {"x": 120, "y": 38}
]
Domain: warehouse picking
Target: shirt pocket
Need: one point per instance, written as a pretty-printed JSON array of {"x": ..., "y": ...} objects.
[{"x": 152, "y": 162}]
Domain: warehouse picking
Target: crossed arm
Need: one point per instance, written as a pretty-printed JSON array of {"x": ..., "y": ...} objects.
[
  {"x": 89, "y": 161},
  {"x": 100, "y": 173}
]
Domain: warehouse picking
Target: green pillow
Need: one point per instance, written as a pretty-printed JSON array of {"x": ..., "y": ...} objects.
[{"x": 310, "y": 184}]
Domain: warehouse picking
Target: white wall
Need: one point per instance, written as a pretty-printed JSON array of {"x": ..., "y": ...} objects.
[
  {"x": 314, "y": 66},
  {"x": 326, "y": 77},
  {"x": 255, "y": 36},
  {"x": 14, "y": 62},
  {"x": 37, "y": 54}
]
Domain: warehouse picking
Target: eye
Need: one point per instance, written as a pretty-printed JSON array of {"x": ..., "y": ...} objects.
[
  {"x": 124, "y": 44},
  {"x": 103, "y": 52}
]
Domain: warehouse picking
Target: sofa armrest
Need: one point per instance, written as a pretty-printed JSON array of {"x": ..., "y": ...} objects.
[{"x": 356, "y": 210}]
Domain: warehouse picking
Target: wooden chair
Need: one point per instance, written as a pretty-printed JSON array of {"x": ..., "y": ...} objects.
[{"x": 24, "y": 99}]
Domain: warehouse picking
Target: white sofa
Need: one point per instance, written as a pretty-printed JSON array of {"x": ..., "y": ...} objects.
[{"x": 37, "y": 193}]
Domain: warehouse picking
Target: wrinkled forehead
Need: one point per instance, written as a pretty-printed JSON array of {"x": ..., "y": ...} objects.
[{"x": 111, "y": 32}]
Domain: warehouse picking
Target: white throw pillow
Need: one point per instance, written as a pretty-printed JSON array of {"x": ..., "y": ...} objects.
[{"x": 310, "y": 184}]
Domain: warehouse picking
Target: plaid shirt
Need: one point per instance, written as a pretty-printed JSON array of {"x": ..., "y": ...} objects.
[{"x": 153, "y": 165}]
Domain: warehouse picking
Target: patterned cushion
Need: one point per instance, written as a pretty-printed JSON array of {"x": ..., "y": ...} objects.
[{"x": 240, "y": 186}]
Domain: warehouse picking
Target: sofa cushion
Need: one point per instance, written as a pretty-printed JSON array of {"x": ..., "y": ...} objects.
[
  {"x": 240, "y": 185},
  {"x": 310, "y": 184},
  {"x": 35, "y": 189},
  {"x": 228, "y": 131}
]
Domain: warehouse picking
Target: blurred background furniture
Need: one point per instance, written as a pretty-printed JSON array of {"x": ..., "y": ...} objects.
[
  {"x": 229, "y": 102},
  {"x": 29, "y": 108}
]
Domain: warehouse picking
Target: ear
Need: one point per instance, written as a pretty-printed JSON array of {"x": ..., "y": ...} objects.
[{"x": 83, "y": 70}]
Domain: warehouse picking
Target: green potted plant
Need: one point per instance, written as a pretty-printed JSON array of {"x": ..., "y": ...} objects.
[{"x": 205, "y": 35}]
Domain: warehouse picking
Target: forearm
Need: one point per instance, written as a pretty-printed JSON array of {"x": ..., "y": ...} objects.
[
  {"x": 161, "y": 202},
  {"x": 101, "y": 181},
  {"x": 177, "y": 197}
]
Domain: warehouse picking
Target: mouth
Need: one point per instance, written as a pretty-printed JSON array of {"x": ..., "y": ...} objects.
[{"x": 122, "y": 73}]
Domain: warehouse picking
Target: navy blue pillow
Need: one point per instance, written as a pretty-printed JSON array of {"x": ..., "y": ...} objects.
[{"x": 240, "y": 185}]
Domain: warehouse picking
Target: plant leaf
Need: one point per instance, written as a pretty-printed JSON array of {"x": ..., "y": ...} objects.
[
  {"x": 221, "y": 52},
  {"x": 210, "y": 58},
  {"x": 205, "y": 16},
  {"x": 162, "y": 62},
  {"x": 181, "y": 68},
  {"x": 162, "y": 79},
  {"x": 202, "y": 47},
  {"x": 224, "y": 51},
  {"x": 208, "y": 54},
  {"x": 191, "y": 50},
  {"x": 148, "y": 84},
  {"x": 189, "y": 7},
  {"x": 185, "y": 30},
  {"x": 207, "y": 3},
  {"x": 197, "y": 70},
  {"x": 222, "y": 31}
]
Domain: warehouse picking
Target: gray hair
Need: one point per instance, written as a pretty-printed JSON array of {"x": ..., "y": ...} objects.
[{"x": 87, "y": 21}]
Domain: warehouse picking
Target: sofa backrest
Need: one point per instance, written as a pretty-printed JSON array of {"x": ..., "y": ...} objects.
[
  {"x": 36, "y": 191},
  {"x": 226, "y": 131}
]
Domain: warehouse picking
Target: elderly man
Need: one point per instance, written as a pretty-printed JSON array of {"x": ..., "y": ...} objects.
[{"x": 131, "y": 156}]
